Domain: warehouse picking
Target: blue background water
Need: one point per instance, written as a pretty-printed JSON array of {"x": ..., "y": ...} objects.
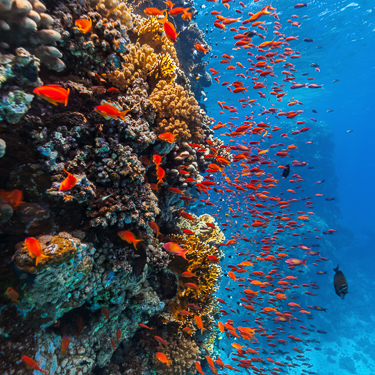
[{"x": 345, "y": 30}]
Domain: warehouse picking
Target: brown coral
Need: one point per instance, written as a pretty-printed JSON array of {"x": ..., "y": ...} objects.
[
  {"x": 114, "y": 10},
  {"x": 183, "y": 352},
  {"x": 207, "y": 280},
  {"x": 178, "y": 112}
]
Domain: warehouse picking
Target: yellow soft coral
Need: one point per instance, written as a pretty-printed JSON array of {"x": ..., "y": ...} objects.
[
  {"x": 177, "y": 112},
  {"x": 207, "y": 280}
]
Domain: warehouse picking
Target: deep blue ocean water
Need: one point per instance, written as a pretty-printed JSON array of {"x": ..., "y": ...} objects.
[{"x": 343, "y": 47}]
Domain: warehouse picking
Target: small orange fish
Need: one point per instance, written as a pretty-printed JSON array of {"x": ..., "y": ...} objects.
[
  {"x": 168, "y": 137},
  {"x": 155, "y": 228},
  {"x": 187, "y": 16},
  {"x": 187, "y": 313},
  {"x": 186, "y": 215},
  {"x": 14, "y": 198},
  {"x": 110, "y": 110},
  {"x": 212, "y": 258},
  {"x": 156, "y": 160},
  {"x": 160, "y": 174},
  {"x": 118, "y": 334},
  {"x": 53, "y": 94},
  {"x": 199, "y": 368},
  {"x": 113, "y": 343},
  {"x": 64, "y": 344},
  {"x": 129, "y": 237},
  {"x": 199, "y": 323},
  {"x": 105, "y": 312},
  {"x": 169, "y": 4},
  {"x": 188, "y": 330},
  {"x": 69, "y": 182},
  {"x": 35, "y": 250},
  {"x": 188, "y": 274},
  {"x": 170, "y": 31},
  {"x": 177, "y": 11},
  {"x": 192, "y": 286},
  {"x": 30, "y": 363},
  {"x": 161, "y": 340},
  {"x": 175, "y": 191},
  {"x": 175, "y": 249},
  {"x": 84, "y": 25},
  {"x": 12, "y": 295},
  {"x": 154, "y": 12},
  {"x": 200, "y": 48},
  {"x": 144, "y": 326},
  {"x": 163, "y": 358}
]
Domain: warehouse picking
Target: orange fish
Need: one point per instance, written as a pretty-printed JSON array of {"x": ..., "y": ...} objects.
[
  {"x": 188, "y": 330},
  {"x": 30, "y": 363},
  {"x": 69, "y": 182},
  {"x": 64, "y": 344},
  {"x": 35, "y": 250},
  {"x": 169, "y": 4},
  {"x": 212, "y": 258},
  {"x": 163, "y": 358},
  {"x": 12, "y": 295},
  {"x": 156, "y": 160},
  {"x": 84, "y": 25},
  {"x": 192, "y": 286},
  {"x": 144, "y": 326},
  {"x": 175, "y": 249},
  {"x": 154, "y": 12},
  {"x": 177, "y": 11},
  {"x": 161, "y": 340},
  {"x": 129, "y": 237},
  {"x": 232, "y": 276},
  {"x": 199, "y": 323},
  {"x": 200, "y": 48},
  {"x": 175, "y": 191},
  {"x": 160, "y": 174},
  {"x": 118, "y": 334},
  {"x": 53, "y": 94},
  {"x": 236, "y": 345},
  {"x": 105, "y": 312},
  {"x": 168, "y": 137},
  {"x": 187, "y": 16},
  {"x": 14, "y": 198},
  {"x": 113, "y": 344},
  {"x": 155, "y": 228},
  {"x": 188, "y": 274},
  {"x": 186, "y": 215},
  {"x": 110, "y": 110},
  {"x": 170, "y": 31},
  {"x": 199, "y": 368}
]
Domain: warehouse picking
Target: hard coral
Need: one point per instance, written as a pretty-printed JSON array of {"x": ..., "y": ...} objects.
[
  {"x": 183, "y": 352},
  {"x": 114, "y": 10},
  {"x": 26, "y": 23},
  {"x": 208, "y": 275},
  {"x": 205, "y": 233},
  {"x": 177, "y": 112}
]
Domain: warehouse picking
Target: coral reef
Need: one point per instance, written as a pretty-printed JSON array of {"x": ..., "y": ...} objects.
[
  {"x": 89, "y": 284},
  {"x": 178, "y": 112}
]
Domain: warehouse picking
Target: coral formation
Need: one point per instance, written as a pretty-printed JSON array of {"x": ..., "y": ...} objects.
[
  {"x": 3, "y": 147},
  {"x": 177, "y": 112}
]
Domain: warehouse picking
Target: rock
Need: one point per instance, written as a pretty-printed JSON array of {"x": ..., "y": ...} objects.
[
  {"x": 6, "y": 212},
  {"x": 2, "y": 148}
]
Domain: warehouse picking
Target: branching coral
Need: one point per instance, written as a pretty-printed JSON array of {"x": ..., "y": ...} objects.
[
  {"x": 114, "y": 10},
  {"x": 207, "y": 280},
  {"x": 142, "y": 62},
  {"x": 178, "y": 112},
  {"x": 205, "y": 233},
  {"x": 183, "y": 352}
]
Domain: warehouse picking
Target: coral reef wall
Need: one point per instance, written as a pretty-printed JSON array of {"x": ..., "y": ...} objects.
[{"x": 102, "y": 148}]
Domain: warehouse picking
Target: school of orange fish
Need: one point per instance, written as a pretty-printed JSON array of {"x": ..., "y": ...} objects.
[{"x": 265, "y": 273}]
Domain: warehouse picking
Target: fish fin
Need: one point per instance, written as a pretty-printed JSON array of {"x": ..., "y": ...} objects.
[
  {"x": 304, "y": 262},
  {"x": 123, "y": 114},
  {"x": 336, "y": 269},
  {"x": 136, "y": 242},
  {"x": 67, "y": 97}
]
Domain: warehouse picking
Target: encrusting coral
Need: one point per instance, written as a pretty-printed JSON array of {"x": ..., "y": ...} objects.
[{"x": 177, "y": 112}]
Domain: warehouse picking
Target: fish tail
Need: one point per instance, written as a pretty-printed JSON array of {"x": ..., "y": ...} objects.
[
  {"x": 39, "y": 258},
  {"x": 304, "y": 262},
  {"x": 123, "y": 114},
  {"x": 67, "y": 97},
  {"x": 336, "y": 269},
  {"x": 135, "y": 243}
]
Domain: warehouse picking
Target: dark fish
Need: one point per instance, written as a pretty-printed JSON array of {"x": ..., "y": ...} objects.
[
  {"x": 314, "y": 65},
  {"x": 349, "y": 131},
  {"x": 335, "y": 80},
  {"x": 314, "y": 111},
  {"x": 308, "y": 40},
  {"x": 250, "y": 33},
  {"x": 286, "y": 171},
  {"x": 340, "y": 283}
]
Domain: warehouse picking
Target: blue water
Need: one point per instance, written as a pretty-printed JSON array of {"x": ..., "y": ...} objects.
[{"x": 344, "y": 160}]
